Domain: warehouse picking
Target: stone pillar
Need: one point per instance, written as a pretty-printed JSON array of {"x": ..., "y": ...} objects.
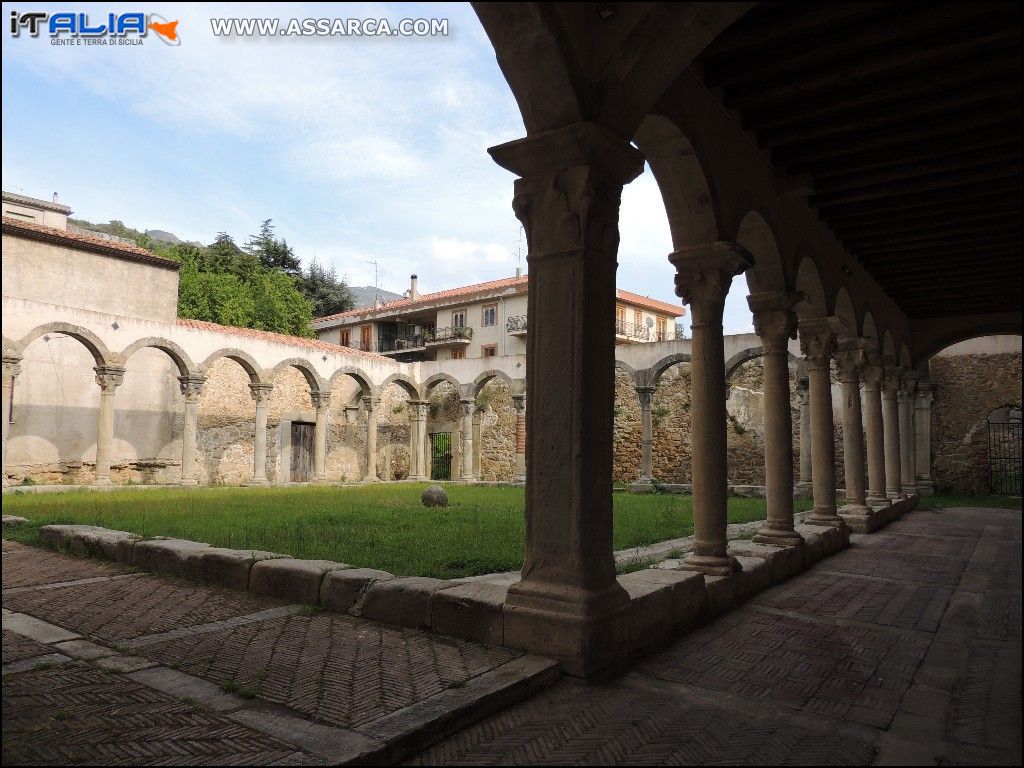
[
  {"x": 108, "y": 377},
  {"x": 417, "y": 438},
  {"x": 466, "y": 436},
  {"x": 646, "y": 480},
  {"x": 568, "y": 603},
  {"x": 703, "y": 276},
  {"x": 322, "y": 404},
  {"x": 477, "y": 443},
  {"x": 12, "y": 367},
  {"x": 370, "y": 403},
  {"x": 261, "y": 396},
  {"x": 923, "y": 434},
  {"x": 775, "y": 324},
  {"x": 850, "y": 359},
  {"x": 872, "y": 395},
  {"x": 891, "y": 424},
  {"x": 908, "y": 462},
  {"x": 818, "y": 343},
  {"x": 803, "y": 488},
  {"x": 519, "y": 401},
  {"x": 191, "y": 389}
]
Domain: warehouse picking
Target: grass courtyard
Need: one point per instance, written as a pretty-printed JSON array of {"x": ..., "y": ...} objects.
[{"x": 378, "y": 526}]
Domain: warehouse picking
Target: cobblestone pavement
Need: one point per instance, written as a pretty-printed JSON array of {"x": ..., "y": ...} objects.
[
  {"x": 903, "y": 649},
  {"x": 106, "y": 666}
]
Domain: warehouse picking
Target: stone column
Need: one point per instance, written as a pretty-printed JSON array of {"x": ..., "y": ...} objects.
[
  {"x": 322, "y": 404},
  {"x": 370, "y": 403},
  {"x": 466, "y": 436},
  {"x": 261, "y": 396},
  {"x": 872, "y": 395},
  {"x": 891, "y": 424},
  {"x": 477, "y": 443},
  {"x": 703, "y": 276},
  {"x": 109, "y": 378},
  {"x": 818, "y": 343},
  {"x": 923, "y": 433},
  {"x": 803, "y": 488},
  {"x": 12, "y": 368},
  {"x": 646, "y": 480},
  {"x": 519, "y": 401},
  {"x": 568, "y": 603},
  {"x": 908, "y": 462},
  {"x": 191, "y": 389},
  {"x": 850, "y": 359},
  {"x": 417, "y": 438},
  {"x": 775, "y": 325}
]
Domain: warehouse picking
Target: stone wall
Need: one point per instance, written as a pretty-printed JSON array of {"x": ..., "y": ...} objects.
[{"x": 967, "y": 389}]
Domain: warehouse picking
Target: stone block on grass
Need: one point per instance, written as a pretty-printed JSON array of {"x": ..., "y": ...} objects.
[
  {"x": 90, "y": 541},
  {"x": 340, "y": 590},
  {"x": 224, "y": 567},
  {"x": 165, "y": 555},
  {"x": 403, "y": 602},
  {"x": 291, "y": 579},
  {"x": 472, "y": 611}
]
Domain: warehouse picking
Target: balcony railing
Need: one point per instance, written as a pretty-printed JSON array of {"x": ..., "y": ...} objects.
[
  {"x": 516, "y": 324},
  {"x": 632, "y": 331},
  {"x": 402, "y": 342},
  {"x": 456, "y": 335},
  {"x": 357, "y": 345}
]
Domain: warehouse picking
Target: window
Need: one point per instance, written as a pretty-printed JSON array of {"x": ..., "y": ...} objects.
[
  {"x": 345, "y": 338},
  {"x": 662, "y": 329},
  {"x": 488, "y": 350},
  {"x": 459, "y": 353},
  {"x": 638, "y": 318},
  {"x": 620, "y": 320},
  {"x": 490, "y": 315},
  {"x": 459, "y": 318}
]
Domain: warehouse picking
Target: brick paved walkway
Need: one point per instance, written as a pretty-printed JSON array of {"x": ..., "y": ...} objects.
[{"x": 905, "y": 648}]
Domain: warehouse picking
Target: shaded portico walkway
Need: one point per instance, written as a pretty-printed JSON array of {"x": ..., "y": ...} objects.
[{"x": 905, "y": 648}]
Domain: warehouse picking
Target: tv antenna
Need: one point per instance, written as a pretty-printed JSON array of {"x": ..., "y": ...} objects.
[
  {"x": 376, "y": 282},
  {"x": 519, "y": 250}
]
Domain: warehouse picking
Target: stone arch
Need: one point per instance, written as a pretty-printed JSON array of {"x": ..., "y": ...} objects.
[
  {"x": 639, "y": 377},
  {"x": 869, "y": 330},
  {"x": 845, "y": 312},
  {"x": 84, "y": 336},
  {"x": 659, "y": 368},
  {"x": 755, "y": 234},
  {"x": 689, "y": 197},
  {"x": 905, "y": 359},
  {"x": 243, "y": 358},
  {"x": 941, "y": 341},
  {"x": 10, "y": 347},
  {"x": 484, "y": 378},
  {"x": 808, "y": 280},
  {"x": 178, "y": 355},
  {"x": 366, "y": 388},
  {"x": 436, "y": 379},
  {"x": 734, "y": 362},
  {"x": 402, "y": 381},
  {"x": 888, "y": 346},
  {"x": 316, "y": 383}
]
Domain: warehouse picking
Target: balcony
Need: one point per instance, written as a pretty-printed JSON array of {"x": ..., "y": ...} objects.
[
  {"x": 408, "y": 342},
  {"x": 627, "y": 332},
  {"x": 445, "y": 337},
  {"x": 516, "y": 326}
]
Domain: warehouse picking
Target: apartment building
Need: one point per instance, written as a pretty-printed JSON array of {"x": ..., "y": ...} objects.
[{"x": 482, "y": 320}]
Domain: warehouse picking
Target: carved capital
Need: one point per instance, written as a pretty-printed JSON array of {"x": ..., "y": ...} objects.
[
  {"x": 519, "y": 403},
  {"x": 925, "y": 393},
  {"x": 191, "y": 387},
  {"x": 370, "y": 402},
  {"x": 891, "y": 380},
  {"x": 321, "y": 400},
  {"x": 817, "y": 341},
  {"x": 468, "y": 406},
  {"x": 851, "y": 357},
  {"x": 260, "y": 393},
  {"x": 645, "y": 394},
  {"x": 418, "y": 409},
  {"x": 12, "y": 367},
  {"x": 109, "y": 377},
  {"x": 704, "y": 274},
  {"x": 803, "y": 391}
]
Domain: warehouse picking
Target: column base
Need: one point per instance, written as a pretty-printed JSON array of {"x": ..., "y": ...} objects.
[
  {"x": 102, "y": 482},
  {"x": 259, "y": 481},
  {"x": 878, "y": 502},
  {"x": 803, "y": 491},
  {"x": 823, "y": 516},
  {"x": 587, "y": 632},
  {"x": 925, "y": 488},
  {"x": 712, "y": 565},
  {"x": 519, "y": 479},
  {"x": 371, "y": 479},
  {"x": 894, "y": 496},
  {"x": 780, "y": 537},
  {"x": 908, "y": 491},
  {"x": 418, "y": 478},
  {"x": 190, "y": 483},
  {"x": 643, "y": 485}
]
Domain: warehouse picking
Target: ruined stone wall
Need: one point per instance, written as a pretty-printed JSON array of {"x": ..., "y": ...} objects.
[
  {"x": 967, "y": 389},
  {"x": 497, "y": 432}
]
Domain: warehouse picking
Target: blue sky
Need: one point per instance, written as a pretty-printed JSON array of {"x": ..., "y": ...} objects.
[{"x": 360, "y": 149}]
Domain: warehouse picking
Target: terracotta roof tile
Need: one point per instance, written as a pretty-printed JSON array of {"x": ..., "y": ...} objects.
[
  {"x": 75, "y": 239},
  {"x": 277, "y": 338}
]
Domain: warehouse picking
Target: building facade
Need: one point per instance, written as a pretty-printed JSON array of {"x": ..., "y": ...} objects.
[{"x": 483, "y": 320}]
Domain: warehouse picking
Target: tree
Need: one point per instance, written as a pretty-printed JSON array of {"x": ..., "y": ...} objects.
[
  {"x": 273, "y": 253},
  {"x": 328, "y": 294}
]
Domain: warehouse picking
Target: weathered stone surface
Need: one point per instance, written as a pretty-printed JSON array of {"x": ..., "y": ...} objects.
[
  {"x": 226, "y": 567},
  {"x": 472, "y": 611},
  {"x": 90, "y": 541},
  {"x": 167, "y": 555},
  {"x": 434, "y": 496},
  {"x": 290, "y": 578},
  {"x": 689, "y": 598},
  {"x": 340, "y": 590},
  {"x": 650, "y": 611},
  {"x": 755, "y": 577},
  {"x": 13, "y": 521},
  {"x": 405, "y": 602},
  {"x": 722, "y": 592},
  {"x": 783, "y": 562},
  {"x": 813, "y": 551}
]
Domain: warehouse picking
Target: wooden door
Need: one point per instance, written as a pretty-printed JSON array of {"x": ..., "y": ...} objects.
[
  {"x": 302, "y": 452},
  {"x": 365, "y": 337}
]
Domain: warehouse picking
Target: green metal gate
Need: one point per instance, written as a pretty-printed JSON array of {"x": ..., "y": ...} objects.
[
  {"x": 1004, "y": 458},
  {"x": 441, "y": 456}
]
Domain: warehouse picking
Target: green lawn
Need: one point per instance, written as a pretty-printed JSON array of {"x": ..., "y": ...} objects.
[
  {"x": 381, "y": 526},
  {"x": 940, "y": 502}
]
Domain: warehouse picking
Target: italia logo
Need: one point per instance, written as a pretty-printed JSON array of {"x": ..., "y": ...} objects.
[{"x": 119, "y": 26}]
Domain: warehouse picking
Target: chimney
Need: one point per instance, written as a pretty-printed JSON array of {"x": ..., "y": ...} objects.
[
  {"x": 519, "y": 271},
  {"x": 413, "y": 291},
  {"x": 55, "y": 197}
]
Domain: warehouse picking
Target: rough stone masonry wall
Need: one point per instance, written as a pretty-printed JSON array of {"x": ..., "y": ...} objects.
[{"x": 967, "y": 389}]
